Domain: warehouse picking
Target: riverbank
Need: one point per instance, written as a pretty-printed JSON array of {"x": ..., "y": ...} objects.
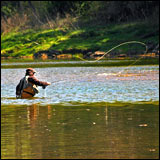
[
  {"x": 79, "y": 42},
  {"x": 104, "y": 63}
]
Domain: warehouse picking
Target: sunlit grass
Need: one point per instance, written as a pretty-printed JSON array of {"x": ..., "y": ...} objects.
[
  {"x": 101, "y": 38},
  {"x": 79, "y": 64}
]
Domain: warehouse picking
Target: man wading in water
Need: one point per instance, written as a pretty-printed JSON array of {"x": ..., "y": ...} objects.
[{"x": 27, "y": 87}]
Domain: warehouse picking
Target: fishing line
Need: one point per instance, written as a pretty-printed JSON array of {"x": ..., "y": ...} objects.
[
  {"x": 129, "y": 42},
  {"x": 44, "y": 88}
]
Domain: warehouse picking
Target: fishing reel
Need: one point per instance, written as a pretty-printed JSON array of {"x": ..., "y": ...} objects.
[
  {"x": 44, "y": 87},
  {"x": 48, "y": 83}
]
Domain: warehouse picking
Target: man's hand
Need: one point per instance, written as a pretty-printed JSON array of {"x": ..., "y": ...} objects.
[{"x": 48, "y": 83}]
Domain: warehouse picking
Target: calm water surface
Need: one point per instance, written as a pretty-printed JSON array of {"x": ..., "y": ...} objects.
[
  {"x": 128, "y": 131},
  {"x": 87, "y": 112}
]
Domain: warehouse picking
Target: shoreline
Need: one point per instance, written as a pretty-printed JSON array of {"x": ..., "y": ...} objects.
[{"x": 72, "y": 63}]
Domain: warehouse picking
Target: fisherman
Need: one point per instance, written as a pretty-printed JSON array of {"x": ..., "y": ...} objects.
[{"x": 27, "y": 87}]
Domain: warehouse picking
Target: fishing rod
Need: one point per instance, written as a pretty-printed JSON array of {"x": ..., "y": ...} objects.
[
  {"x": 44, "y": 87},
  {"x": 54, "y": 83}
]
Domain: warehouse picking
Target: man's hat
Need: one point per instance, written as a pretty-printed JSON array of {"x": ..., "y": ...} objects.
[{"x": 30, "y": 70}]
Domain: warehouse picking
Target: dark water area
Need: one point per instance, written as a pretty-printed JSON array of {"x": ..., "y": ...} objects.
[
  {"x": 96, "y": 130},
  {"x": 86, "y": 113}
]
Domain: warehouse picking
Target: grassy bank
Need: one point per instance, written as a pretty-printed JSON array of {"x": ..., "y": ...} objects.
[
  {"x": 86, "y": 64},
  {"x": 102, "y": 38}
]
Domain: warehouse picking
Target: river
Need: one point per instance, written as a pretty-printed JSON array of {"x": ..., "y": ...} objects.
[{"x": 86, "y": 112}]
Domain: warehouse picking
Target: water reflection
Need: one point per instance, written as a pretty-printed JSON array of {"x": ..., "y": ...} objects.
[{"x": 80, "y": 131}]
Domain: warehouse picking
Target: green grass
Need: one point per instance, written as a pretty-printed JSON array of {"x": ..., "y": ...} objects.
[
  {"x": 103, "y": 38},
  {"x": 87, "y": 64}
]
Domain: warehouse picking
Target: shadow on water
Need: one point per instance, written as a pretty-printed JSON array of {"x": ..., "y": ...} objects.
[{"x": 93, "y": 130}]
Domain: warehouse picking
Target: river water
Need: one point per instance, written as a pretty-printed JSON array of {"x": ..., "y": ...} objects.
[
  {"x": 86, "y": 84},
  {"x": 86, "y": 112}
]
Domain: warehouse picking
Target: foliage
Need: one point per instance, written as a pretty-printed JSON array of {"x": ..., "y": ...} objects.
[
  {"x": 47, "y": 13},
  {"x": 31, "y": 26},
  {"x": 101, "y": 38},
  {"x": 151, "y": 61}
]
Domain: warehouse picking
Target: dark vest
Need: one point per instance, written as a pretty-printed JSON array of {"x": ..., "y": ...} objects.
[{"x": 28, "y": 89}]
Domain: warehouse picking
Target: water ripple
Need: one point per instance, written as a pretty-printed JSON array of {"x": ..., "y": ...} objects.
[{"x": 86, "y": 84}]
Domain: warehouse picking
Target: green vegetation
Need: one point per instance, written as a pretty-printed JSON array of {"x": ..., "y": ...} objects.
[
  {"x": 87, "y": 64},
  {"x": 103, "y": 38},
  {"x": 77, "y": 27}
]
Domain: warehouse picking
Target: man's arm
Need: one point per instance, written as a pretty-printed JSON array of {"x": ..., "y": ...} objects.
[{"x": 35, "y": 81}]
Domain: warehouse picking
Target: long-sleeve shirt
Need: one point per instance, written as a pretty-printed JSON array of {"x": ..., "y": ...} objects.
[{"x": 35, "y": 81}]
